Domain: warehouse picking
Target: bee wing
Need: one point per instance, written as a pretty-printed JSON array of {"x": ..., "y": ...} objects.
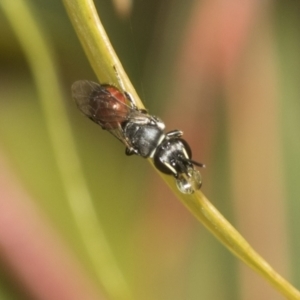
[
  {"x": 81, "y": 92},
  {"x": 92, "y": 98}
]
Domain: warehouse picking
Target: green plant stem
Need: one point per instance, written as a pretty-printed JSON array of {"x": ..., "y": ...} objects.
[
  {"x": 42, "y": 63},
  {"x": 102, "y": 57},
  {"x": 96, "y": 44},
  {"x": 205, "y": 212}
]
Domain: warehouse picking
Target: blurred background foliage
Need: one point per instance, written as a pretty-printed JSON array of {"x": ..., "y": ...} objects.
[{"x": 228, "y": 76}]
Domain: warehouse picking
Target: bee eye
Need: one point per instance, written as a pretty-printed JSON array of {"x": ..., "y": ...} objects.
[
  {"x": 186, "y": 147},
  {"x": 141, "y": 133},
  {"x": 162, "y": 165}
]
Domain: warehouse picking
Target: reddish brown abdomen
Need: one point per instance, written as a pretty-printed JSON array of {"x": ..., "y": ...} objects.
[{"x": 110, "y": 107}]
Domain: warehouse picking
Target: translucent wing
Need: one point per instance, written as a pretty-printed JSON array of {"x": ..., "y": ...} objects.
[{"x": 104, "y": 105}]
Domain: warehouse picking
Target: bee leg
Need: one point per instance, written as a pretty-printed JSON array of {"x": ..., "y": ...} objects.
[
  {"x": 130, "y": 99},
  {"x": 174, "y": 134},
  {"x": 172, "y": 169},
  {"x": 143, "y": 110},
  {"x": 133, "y": 104},
  {"x": 130, "y": 151}
]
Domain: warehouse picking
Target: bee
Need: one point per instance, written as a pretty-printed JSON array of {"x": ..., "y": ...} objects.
[{"x": 141, "y": 133}]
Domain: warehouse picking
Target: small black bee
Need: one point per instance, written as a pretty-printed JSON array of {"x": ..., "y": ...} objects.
[{"x": 141, "y": 133}]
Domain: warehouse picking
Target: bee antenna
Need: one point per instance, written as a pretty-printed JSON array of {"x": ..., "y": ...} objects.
[{"x": 196, "y": 163}]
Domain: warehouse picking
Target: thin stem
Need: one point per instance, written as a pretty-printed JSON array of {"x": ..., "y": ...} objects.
[
  {"x": 205, "y": 212},
  {"x": 97, "y": 46},
  {"x": 103, "y": 58}
]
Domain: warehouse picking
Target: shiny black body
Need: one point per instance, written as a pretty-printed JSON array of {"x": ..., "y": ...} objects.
[
  {"x": 144, "y": 138},
  {"x": 172, "y": 156},
  {"x": 141, "y": 133}
]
